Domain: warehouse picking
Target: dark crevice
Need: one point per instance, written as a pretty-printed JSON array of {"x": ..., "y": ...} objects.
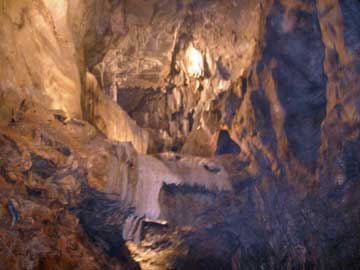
[{"x": 226, "y": 145}]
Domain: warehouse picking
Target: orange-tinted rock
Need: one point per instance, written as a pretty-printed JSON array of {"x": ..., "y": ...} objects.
[
  {"x": 259, "y": 100},
  {"x": 43, "y": 170}
]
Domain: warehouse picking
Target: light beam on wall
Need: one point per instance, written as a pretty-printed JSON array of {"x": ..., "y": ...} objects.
[{"x": 194, "y": 62}]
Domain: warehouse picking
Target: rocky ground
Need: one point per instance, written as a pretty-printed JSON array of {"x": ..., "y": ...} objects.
[{"x": 179, "y": 134}]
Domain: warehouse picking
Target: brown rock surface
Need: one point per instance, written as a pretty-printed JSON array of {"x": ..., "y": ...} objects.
[
  {"x": 251, "y": 112},
  {"x": 47, "y": 160},
  {"x": 43, "y": 49}
]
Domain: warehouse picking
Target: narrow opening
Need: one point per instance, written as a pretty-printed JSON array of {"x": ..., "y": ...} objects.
[{"x": 226, "y": 145}]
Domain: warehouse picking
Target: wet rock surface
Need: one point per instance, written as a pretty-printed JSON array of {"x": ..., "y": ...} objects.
[{"x": 179, "y": 134}]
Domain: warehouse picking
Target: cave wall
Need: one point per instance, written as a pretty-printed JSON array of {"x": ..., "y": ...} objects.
[
  {"x": 259, "y": 100},
  {"x": 277, "y": 63},
  {"x": 45, "y": 48},
  {"x": 271, "y": 76},
  {"x": 146, "y": 68},
  {"x": 37, "y": 52},
  {"x": 281, "y": 78}
]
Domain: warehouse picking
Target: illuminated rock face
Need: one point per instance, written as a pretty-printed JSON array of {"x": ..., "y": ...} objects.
[
  {"x": 109, "y": 118},
  {"x": 169, "y": 78},
  {"x": 42, "y": 53},
  {"x": 37, "y": 53},
  {"x": 192, "y": 172},
  {"x": 251, "y": 112},
  {"x": 194, "y": 62}
]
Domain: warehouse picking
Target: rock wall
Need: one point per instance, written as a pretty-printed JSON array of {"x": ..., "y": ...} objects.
[
  {"x": 37, "y": 53},
  {"x": 45, "y": 48},
  {"x": 109, "y": 118},
  {"x": 49, "y": 166},
  {"x": 147, "y": 68},
  {"x": 269, "y": 78},
  {"x": 279, "y": 81},
  {"x": 258, "y": 102}
]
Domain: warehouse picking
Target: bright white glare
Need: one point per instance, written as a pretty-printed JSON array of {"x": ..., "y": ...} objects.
[{"x": 195, "y": 62}]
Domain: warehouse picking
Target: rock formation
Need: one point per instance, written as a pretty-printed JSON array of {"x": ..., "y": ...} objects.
[{"x": 179, "y": 134}]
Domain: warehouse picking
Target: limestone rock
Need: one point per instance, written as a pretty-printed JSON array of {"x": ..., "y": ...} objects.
[
  {"x": 43, "y": 49},
  {"x": 109, "y": 118},
  {"x": 249, "y": 110},
  {"x": 37, "y": 53},
  {"x": 46, "y": 165}
]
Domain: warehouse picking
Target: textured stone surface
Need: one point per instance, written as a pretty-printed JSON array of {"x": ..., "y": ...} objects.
[
  {"x": 45, "y": 47},
  {"x": 37, "y": 52},
  {"x": 147, "y": 68},
  {"x": 109, "y": 118},
  {"x": 46, "y": 166},
  {"x": 251, "y": 112}
]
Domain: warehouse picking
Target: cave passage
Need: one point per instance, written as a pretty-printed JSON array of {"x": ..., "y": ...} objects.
[
  {"x": 180, "y": 135},
  {"x": 226, "y": 145}
]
